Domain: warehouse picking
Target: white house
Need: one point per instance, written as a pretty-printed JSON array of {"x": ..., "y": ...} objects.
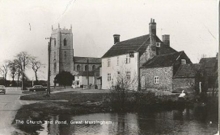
[{"x": 123, "y": 60}]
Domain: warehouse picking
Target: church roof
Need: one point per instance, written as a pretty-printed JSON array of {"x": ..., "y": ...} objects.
[
  {"x": 137, "y": 44},
  {"x": 90, "y": 60}
]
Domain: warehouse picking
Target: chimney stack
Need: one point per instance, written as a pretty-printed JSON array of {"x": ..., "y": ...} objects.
[
  {"x": 166, "y": 39},
  {"x": 152, "y": 27},
  {"x": 116, "y": 38}
]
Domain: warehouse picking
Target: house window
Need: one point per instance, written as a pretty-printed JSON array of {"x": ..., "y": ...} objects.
[
  {"x": 156, "y": 79},
  {"x": 64, "y": 42},
  {"x": 54, "y": 55},
  {"x": 108, "y": 77},
  {"x": 127, "y": 61},
  {"x": 78, "y": 67},
  {"x": 55, "y": 68},
  {"x": 86, "y": 68},
  {"x": 109, "y": 62},
  {"x": 128, "y": 75},
  {"x": 143, "y": 82},
  {"x": 117, "y": 61},
  {"x": 183, "y": 61}
]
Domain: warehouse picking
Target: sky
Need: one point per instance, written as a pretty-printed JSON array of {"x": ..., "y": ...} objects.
[{"x": 24, "y": 25}]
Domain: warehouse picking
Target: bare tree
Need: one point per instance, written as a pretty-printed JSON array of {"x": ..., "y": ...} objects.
[
  {"x": 22, "y": 61},
  {"x": 35, "y": 65},
  {"x": 13, "y": 69},
  {"x": 4, "y": 70}
]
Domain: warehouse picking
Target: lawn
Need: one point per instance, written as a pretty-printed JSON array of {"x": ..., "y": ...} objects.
[{"x": 69, "y": 96}]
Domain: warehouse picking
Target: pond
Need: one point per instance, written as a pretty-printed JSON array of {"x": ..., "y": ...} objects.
[{"x": 174, "y": 122}]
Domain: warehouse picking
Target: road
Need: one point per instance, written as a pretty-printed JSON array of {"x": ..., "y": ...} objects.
[{"x": 9, "y": 104}]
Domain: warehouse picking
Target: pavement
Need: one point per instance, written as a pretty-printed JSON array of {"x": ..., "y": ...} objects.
[{"x": 9, "y": 105}]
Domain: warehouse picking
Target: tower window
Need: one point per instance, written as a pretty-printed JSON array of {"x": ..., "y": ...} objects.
[
  {"x": 78, "y": 67},
  {"x": 64, "y": 54},
  {"x": 86, "y": 67},
  {"x": 64, "y": 42},
  {"x": 54, "y": 42}
]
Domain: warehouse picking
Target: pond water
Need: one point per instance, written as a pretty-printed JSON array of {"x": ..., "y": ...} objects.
[{"x": 175, "y": 122}]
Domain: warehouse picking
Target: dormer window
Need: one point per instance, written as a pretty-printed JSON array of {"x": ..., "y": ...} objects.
[
  {"x": 158, "y": 44},
  {"x": 183, "y": 61}
]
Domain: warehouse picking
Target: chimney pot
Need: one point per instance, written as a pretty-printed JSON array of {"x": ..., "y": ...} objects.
[
  {"x": 166, "y": 39},
  {"x": 152, "y": 27},
  {"x": 116, "y": 38}
]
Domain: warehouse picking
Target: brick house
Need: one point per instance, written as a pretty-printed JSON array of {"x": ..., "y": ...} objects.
[
  {"x": 125, "y": 58},
  {"x": 158, "y": 72}
]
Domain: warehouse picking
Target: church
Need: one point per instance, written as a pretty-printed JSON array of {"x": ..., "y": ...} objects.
[{"x": 62, "y": 58}]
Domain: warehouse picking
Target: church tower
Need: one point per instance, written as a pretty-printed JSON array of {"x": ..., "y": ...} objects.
[{"x": 61, "y": 55}]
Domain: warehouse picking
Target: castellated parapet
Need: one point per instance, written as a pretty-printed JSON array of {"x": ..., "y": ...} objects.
[{"x": 62, "y": 30}]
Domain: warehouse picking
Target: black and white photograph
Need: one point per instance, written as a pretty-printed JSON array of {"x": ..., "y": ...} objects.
[{"x": 109, "y": 67}]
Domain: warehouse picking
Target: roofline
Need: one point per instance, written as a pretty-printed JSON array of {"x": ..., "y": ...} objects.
[
  {"x": 119, "y": 55},
  {"x": 158, "y": 67}
]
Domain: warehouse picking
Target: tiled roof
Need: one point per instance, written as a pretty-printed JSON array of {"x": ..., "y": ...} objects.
[
  {"x": 164, "y": 60},
  {"x": 84, "y": 60},
  {"x": 209, "y": 64},
  {"x": 187, "y": 71},
  {"x": 135, "y": 44}
]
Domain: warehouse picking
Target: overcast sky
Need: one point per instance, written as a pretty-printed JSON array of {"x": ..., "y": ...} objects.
[{"x": 191, "y": 24}]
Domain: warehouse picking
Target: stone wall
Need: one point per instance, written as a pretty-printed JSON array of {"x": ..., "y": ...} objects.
[
  {"x": 82, "y": 66},
  {"x": 183, "y": 84},
  {"x": 164, "y": 74}
]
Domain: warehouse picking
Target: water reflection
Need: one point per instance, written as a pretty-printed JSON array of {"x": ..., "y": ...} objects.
[{"x": 183, "y": 122}]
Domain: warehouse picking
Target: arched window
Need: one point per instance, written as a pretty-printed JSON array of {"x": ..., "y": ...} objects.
[
  {"x": 65, "y": 55},
  {"x": 93, "y": 67},
  {"x": 86, "y": 68},
  {"x": 78, "y": 67},
  {"x": 64, "y": 42}
]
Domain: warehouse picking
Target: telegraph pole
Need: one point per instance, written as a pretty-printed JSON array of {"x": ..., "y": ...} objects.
[{"x": 48, "y": 79}]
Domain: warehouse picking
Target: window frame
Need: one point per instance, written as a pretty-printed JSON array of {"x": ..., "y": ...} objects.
[
  {"x": 128, "y": 75},
  {"x": 127, "y": 59},
  {"x": 108, "y": 62},
  {"x": 156, "y": 80},
  {"x": 109, "y": 77}
]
